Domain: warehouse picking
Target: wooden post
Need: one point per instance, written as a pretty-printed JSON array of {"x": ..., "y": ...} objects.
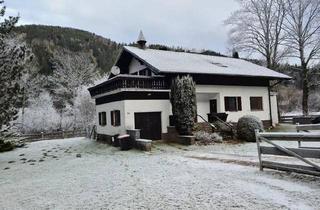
[
  {"x": 299, "y": 142},
  {"x": 259, "y": 149}
]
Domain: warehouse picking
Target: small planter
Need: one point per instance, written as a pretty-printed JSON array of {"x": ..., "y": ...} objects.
[
  {"x": 187, "y": 140},
  {"x": 125, "y": 142},
  {"x": 115, "y": 141}
]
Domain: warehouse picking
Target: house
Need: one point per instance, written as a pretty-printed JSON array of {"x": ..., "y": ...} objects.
[{"x": 136, "y": 94}]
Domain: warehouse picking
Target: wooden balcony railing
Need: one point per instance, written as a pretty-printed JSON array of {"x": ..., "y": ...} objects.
[{"x": 130, "y": 81}]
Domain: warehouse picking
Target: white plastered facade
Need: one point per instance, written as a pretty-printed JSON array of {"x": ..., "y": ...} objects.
[{"x": 204, "y": 94}]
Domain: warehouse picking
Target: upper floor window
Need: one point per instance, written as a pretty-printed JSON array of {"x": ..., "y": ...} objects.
[
  {"x": 256, "y": 104},
  {"x": 145, "y": 72},
  {"x": 102, "y": 118},
  {"x": 115, "y": 118},
  {"x": 232, "y": 104}
]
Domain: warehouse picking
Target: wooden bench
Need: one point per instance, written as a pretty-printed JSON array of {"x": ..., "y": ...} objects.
[
  {"x": 301, "y": 154},
  {"x": 144, "y": 144}
]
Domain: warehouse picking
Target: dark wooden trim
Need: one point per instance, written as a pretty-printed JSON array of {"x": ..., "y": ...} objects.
[
  {"x": 133, "y": 95},
  {"x": 130, "y": 81},
  {"x": 213, "y": 79},
  {"x": 164, "y": 82}
]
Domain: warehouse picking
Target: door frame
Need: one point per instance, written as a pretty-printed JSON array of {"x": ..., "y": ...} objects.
[
  {"x": 216, "y": 105},
  {"x": 146, "y": 112}
]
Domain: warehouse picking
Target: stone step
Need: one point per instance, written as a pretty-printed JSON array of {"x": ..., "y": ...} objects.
[{"x": 144, "y": 144}]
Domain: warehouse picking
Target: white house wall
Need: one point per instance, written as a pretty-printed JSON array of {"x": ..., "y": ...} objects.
[
  {"x": 134, "y": 106},
  {"x": 135, "y": 66},
  {"x": 109, "y": 129},
  {"x": 203, "y": 107},
  {"x": 204, "y": 94},
  {"x": 245, "y": 92}
]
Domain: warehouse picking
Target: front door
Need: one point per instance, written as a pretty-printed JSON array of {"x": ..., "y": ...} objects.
[
  {"x": 213, "y": 106},
  {"x": 149, "y": 123}
]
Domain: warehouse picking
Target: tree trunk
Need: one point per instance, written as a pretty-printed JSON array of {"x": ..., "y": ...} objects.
[{"x": 305, "y": 91}]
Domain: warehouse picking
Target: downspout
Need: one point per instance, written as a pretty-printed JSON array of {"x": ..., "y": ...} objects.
[
  {"x": 270, "y": 110},
  {"x": 269, "y": 93}
]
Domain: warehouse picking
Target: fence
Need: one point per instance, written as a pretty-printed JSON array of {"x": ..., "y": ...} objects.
[
  {"x": 301, "y": 153},
  {"x": 52, "y": 135},
  {"x": 293, "y": 119},
  {"x": 307, "y": 128},
  {"x": 287, "y": 119}
]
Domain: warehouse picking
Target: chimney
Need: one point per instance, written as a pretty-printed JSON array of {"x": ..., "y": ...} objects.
[
  {"x": 141, "y": 41},
  {"x": 235, "y": 54}
]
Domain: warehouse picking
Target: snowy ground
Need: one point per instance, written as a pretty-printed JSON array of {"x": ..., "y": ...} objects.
[{"x": 221, "y": 176}]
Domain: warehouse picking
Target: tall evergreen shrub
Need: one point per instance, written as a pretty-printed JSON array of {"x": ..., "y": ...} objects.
[{"x": 183, "y": 101}]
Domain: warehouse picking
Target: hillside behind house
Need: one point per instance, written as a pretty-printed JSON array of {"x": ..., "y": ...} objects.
[{"x": 44, "y": 40}]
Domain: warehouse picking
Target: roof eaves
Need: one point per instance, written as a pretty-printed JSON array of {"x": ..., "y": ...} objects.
[{"x": 231, "y": 75}]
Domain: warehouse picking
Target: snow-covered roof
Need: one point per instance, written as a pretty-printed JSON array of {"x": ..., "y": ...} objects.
[{"x": 181, "y": 62}]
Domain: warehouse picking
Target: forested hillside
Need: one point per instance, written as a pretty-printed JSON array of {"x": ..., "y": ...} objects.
[{"x": 44, "y": 40}]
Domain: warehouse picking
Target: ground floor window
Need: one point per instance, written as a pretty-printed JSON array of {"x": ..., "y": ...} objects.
[
  {"x": 115, "y": 118},
  {"x": 232, "y": 104},
  {"x": 102, "y": 118},
  {"x": 256, "y": 104}
]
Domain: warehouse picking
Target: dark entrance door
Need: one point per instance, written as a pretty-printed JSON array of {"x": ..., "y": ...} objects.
[
  {"x": 149, "y": 123},
  {"x": 213, "y": 106}
]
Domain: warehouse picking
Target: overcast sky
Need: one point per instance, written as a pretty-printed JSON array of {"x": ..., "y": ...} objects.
[{"x": 187, "y": 23}]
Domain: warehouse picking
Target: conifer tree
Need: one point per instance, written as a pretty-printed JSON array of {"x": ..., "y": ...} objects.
[
  {"x": 13, "y": 54},
  {"x": 183, "y": 101}
]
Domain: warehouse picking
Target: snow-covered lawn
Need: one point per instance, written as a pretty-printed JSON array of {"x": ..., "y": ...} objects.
[{"x": 169, "y": 177}]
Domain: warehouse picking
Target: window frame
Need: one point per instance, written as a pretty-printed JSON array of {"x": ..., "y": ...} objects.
[
  {"x": 102, "y": 118},
  {"x": 261, "y": 108},
  {"x": 237, "y": 105},
  {"x": 115, "y": 118}
]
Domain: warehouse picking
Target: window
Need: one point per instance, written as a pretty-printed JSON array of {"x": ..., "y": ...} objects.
[
  {"x": 142, "y": 72},
  {"x": 232, "y": 104},
  {"x": 102, "y": 118},
  {"x": 145, "y": 72},
  {"x": 115, "y": 118},
  {"x": 256, "y": 104}
]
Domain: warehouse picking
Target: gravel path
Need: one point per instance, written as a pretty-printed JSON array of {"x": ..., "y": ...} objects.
[{"x": 167, "y": 178}]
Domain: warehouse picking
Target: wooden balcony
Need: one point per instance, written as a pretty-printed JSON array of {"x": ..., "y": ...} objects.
[{"x": 130, "y": 82}]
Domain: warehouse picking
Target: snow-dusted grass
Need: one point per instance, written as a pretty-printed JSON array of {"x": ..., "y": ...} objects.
[{"x": 170, "y": 177}]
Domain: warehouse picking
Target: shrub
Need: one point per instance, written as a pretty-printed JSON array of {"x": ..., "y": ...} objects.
[
  {"x": 183, "y": 100},
  {"x": 207, "y": 138},
  {"x": 5, "y": 145},
  {"x": 246, "y": 128}
]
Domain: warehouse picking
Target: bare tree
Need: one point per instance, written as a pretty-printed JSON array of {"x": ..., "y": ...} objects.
[
  {"x": 72, "y": 70},
  {"x": 257, "y": 28},
  {"x": 302, "y": 26}
]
